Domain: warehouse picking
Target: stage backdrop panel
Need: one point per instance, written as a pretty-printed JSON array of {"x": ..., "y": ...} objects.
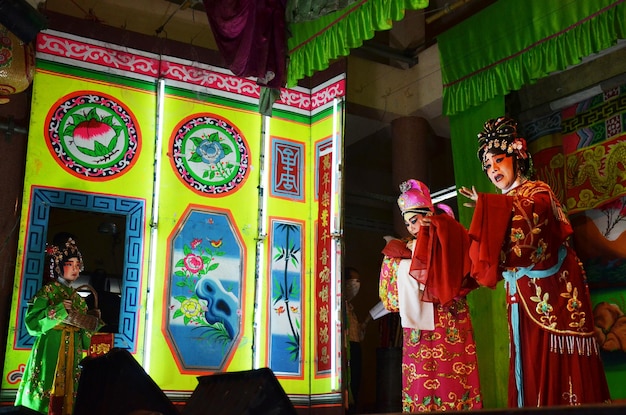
[
  {"x": 90, "y": 154},
  {"x": 201, "y": 221},
  {"x": 301, "y": 295}
]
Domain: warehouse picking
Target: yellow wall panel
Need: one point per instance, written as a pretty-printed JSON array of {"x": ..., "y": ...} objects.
[{"x": 201, "y": 213}]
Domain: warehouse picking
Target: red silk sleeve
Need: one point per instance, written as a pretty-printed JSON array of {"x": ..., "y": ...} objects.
[
  {"x": 396, "y": 248},
  {"x": 442, "y": 251},
  {"x": 489, "y": 227}
]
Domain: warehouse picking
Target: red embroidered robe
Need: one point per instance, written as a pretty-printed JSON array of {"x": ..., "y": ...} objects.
[
  {"x": 522, "y": 237},
  {"x": 439, "y": 367}
]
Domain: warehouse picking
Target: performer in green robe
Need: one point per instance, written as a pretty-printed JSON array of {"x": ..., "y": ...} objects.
[{"x": 57, "y": 317}]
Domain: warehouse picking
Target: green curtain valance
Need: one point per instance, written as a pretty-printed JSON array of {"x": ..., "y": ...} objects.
[
  {"x": 313, "y": 44},
  {"x": 515, "y": 42}
]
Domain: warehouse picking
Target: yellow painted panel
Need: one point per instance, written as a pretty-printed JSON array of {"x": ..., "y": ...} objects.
[
  {"x": 169, "y": 367},
  {"x": 60, "y": 104}
]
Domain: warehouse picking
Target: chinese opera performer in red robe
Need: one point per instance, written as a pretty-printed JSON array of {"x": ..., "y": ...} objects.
[
  {"x": 424, "y": 280},
  {"x": 522, "y": 236}
]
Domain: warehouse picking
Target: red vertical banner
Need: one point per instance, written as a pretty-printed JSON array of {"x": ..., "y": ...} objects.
[{"x": 322, "y": 266}]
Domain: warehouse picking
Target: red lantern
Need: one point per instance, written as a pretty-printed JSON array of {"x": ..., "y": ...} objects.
[{"x": 17, "y": 64}]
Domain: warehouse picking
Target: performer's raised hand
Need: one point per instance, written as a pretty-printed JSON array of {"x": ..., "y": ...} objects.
[{"x": 470, "y": 194}]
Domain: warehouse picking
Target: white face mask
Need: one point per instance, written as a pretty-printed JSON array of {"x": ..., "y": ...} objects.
[{"x": 352, "y": 288}]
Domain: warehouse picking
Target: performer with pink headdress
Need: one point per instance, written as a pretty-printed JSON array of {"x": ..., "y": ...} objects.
[
  {"x": 522, "y": 237},
  {"x": 425, "y": 280}
]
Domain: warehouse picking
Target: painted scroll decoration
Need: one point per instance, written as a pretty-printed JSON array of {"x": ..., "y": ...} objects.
[
  {"x": 323, "y": 281},
  {"x": 285, "y": 321}
]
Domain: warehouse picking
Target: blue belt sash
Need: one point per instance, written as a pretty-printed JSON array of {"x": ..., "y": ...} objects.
[{"x": 510, "y": 278}]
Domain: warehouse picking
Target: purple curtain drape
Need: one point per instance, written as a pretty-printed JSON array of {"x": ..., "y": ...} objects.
[{"x": 252, "y": 37}]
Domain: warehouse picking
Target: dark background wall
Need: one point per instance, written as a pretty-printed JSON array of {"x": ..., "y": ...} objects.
[{"x": 14, "y": 118}]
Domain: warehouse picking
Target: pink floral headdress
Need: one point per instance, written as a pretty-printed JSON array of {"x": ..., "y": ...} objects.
[{"x": 415, "y": 198}]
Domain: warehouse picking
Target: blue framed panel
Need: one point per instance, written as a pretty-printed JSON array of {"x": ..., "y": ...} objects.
[
  {"x": 42, "y": 200},
  {"x": 287, "y": 169}
]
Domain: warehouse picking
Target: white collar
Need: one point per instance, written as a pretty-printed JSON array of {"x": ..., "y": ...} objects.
[
  {"x": 518, "y": 182},
  {"x": 63, "y": 281}
]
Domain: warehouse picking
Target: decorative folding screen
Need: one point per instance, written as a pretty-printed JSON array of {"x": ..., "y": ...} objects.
[{"x": 209, "y": 210}]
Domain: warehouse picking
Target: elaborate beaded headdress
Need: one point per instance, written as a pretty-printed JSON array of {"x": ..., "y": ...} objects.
[
  {"x": 58, "y": 255},
  {"x": 500, "y": 134}
]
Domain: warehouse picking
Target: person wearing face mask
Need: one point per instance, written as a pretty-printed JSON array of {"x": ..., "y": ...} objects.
[
  {"x": 355, "y": 333},
  {"x": 522, "y": 237},
  {"x": 57, "y": 317},
  {"x": 425, "y": 279}
]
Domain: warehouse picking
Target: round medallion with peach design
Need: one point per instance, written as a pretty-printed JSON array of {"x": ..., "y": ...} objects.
[{"x": 92, "y": 135}]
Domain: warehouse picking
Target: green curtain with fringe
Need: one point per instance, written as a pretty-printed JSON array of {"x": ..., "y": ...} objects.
[
  {"x": 313, "y": 44},
  {"x": 513, "y": 43}
]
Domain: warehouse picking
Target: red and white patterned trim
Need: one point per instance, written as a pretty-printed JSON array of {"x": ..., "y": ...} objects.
[{"x": 95, "y": 55}]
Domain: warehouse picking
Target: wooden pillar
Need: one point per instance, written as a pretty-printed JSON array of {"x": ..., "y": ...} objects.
[{"x": 410, "y": 157}]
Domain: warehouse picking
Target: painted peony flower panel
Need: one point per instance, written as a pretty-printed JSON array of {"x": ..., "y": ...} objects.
[{"x": 205, "y": 289}]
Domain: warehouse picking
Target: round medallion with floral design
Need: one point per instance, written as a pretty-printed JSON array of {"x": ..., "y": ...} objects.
[
  {"x": 92, "y": 135},
  {"x": 209, "y": 154}
]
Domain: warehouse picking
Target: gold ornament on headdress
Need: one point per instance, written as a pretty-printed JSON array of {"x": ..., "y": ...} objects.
[{"x": 501, "y": 134}]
